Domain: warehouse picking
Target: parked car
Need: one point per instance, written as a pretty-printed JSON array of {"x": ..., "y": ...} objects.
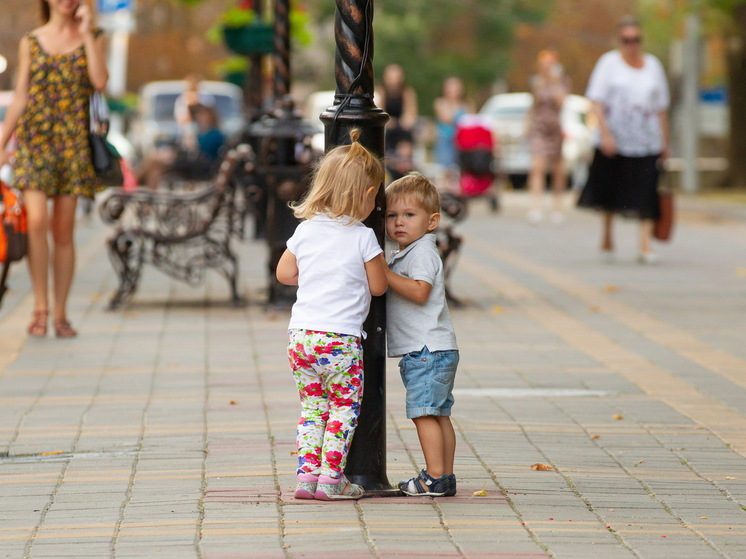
[
  {"x": 156, "y": 125},
  {"x": 315, "y": 104},
  {"x": 509, "y": 115}
]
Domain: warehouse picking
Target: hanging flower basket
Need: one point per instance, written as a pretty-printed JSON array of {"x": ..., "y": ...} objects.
[{"x": 256, "y": 38}]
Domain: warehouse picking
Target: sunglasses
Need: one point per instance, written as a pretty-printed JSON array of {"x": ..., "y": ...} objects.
[{"x": 631, "y": 40}]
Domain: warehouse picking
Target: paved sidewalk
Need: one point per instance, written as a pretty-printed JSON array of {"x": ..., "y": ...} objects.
[{"x": 167, "y": 429}]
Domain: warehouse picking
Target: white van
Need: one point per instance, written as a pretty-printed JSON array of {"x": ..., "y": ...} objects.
[{"x": 156, "y": 125}]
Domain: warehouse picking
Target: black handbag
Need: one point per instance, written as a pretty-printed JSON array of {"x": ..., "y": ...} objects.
[{"x": 104, "y": 156}]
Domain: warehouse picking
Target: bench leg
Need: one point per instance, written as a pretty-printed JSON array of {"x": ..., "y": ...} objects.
[
  {"x": 229, "y": 270},
  {"x": 449, "y": 253},
  {"x": 126, "y": 255}
]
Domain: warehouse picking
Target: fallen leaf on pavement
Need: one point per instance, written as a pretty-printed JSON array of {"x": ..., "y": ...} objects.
[
  {"x": 595, "y": 437},
  {"x": 617, "y": 417},
  {"x": 611, "y": 288},
  {"x": 730, "y": 477},
  {"x": 293, "y": 453},
  {"x": 480, "y": 493},
  {"x": 703, "y": 517},
  {"x": 542, "y": 467},
  {"x": 233, "y": 402},
  {"x": 56, "y": 452}
]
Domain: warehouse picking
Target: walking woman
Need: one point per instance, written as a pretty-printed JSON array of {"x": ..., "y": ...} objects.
[
  {"x": 545, "y": 134},
  {"x": 399, "y": 100},
  {"x": 449, "y": 108},
  {"x": 630, "y": 97},
  {"x": 61, "y": 63}
]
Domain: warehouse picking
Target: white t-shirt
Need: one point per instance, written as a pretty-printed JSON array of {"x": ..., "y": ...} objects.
[
  {"x": 333, "y": 292},
  {"x": 632, "y": 99}
]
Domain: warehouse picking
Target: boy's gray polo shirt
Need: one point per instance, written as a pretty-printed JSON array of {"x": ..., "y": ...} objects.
[{"x": 410, "y": 326}]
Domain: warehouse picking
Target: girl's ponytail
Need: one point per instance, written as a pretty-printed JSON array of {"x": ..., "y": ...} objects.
[{"x": 357, "y": 153}]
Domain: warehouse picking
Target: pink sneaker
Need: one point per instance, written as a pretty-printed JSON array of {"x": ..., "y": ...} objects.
[{"x": 306, "y": 487}]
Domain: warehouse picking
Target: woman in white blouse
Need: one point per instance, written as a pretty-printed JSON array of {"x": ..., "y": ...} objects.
[{"x": 630, "y": 97}]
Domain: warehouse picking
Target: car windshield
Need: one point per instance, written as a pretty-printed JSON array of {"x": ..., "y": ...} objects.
[{"x": 163, "y": 106}]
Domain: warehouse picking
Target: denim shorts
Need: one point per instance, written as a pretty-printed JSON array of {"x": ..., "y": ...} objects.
[{"x": 428, "y": 378}]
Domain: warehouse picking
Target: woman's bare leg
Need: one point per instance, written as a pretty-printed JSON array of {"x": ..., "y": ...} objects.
[
  {"x": 63, "y": 229},
  {"x": 536, "y": 184},
  {"x": 559, "y": 184},
  {"x": 607, "y": 239},
  {"x": 646, "y": 232},
  {"x": 38, "y": 246}
]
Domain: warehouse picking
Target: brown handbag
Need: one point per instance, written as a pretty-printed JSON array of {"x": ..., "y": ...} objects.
[{"x": 663, "y": 228}]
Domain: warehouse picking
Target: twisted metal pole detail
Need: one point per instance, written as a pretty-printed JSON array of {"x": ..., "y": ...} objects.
[
  {"x": 282, "y": 49},
  {"x": 353, "y": 33}
]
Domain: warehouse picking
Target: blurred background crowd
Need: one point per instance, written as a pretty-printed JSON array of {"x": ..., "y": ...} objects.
[{"x": 434, "y": 61}]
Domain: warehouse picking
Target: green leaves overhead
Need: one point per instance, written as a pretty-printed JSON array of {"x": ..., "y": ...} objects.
[{"x": 433, "y": 39}]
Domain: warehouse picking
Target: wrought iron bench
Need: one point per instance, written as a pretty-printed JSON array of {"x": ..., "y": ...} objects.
[{"x": 180, "y": 233}]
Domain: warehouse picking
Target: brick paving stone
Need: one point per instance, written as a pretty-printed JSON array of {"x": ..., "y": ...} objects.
[{"x": 179, "y": 413}]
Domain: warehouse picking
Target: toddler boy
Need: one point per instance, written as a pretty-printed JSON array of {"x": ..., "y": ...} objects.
[{"x": 420, "y": 330}]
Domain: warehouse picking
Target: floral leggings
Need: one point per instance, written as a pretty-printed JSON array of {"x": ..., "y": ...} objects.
[{"x": 328, "y": 371}]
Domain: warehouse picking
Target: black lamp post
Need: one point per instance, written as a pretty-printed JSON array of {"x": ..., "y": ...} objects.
[{"x": 354, "y": 108}]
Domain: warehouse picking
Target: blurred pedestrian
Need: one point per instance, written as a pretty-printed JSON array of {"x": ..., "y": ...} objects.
[
  {"x": 196, "y": 158},
  {"x": 549, "y": 88},
  {"x": 449, "y": 107},
  {"x": 630, "y": 98},
  {"x": 399, "y": 100},
  {"x": 60, "y": 63},
  {"x": 192, "y": 96},
  {"x": 337, "y": 264}
]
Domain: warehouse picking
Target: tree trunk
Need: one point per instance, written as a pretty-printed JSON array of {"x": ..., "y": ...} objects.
[{"x": 737, "y": 99}]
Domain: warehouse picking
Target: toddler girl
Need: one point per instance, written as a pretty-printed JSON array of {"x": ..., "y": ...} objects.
[{"x": 337, "y": 264}]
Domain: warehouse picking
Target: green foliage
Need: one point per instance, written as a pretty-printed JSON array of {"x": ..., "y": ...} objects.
[
  {"x": 300, "y": 27},
  {"x": 433, "y": 39},
  {"x": 231, "y": 65},
  {"x": 240, "y": 17},
  {"x": 724, "y": 5},
  {"x": 236, "y": 17}
]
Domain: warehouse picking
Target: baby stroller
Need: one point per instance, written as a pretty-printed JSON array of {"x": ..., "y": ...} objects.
[{"x": 475, "y": 146}]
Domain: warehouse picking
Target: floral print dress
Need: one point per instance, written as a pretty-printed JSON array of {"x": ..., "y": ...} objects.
[{"x": 53, "y": 154}]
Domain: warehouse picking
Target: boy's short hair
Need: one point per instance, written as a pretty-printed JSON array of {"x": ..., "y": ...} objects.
[{"x": 415, "y": 187}]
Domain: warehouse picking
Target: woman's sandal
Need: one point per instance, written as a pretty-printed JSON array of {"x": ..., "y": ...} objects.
[
  {"x": 63, "y": 329},
  {"x": 38, "y": 326}
]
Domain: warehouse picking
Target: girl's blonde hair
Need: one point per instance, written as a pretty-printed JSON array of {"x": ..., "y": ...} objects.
[{"x": 340, "y": 182}]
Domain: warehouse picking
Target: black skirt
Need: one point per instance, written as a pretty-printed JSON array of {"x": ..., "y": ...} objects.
[{"x": 624, "y": 185}]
